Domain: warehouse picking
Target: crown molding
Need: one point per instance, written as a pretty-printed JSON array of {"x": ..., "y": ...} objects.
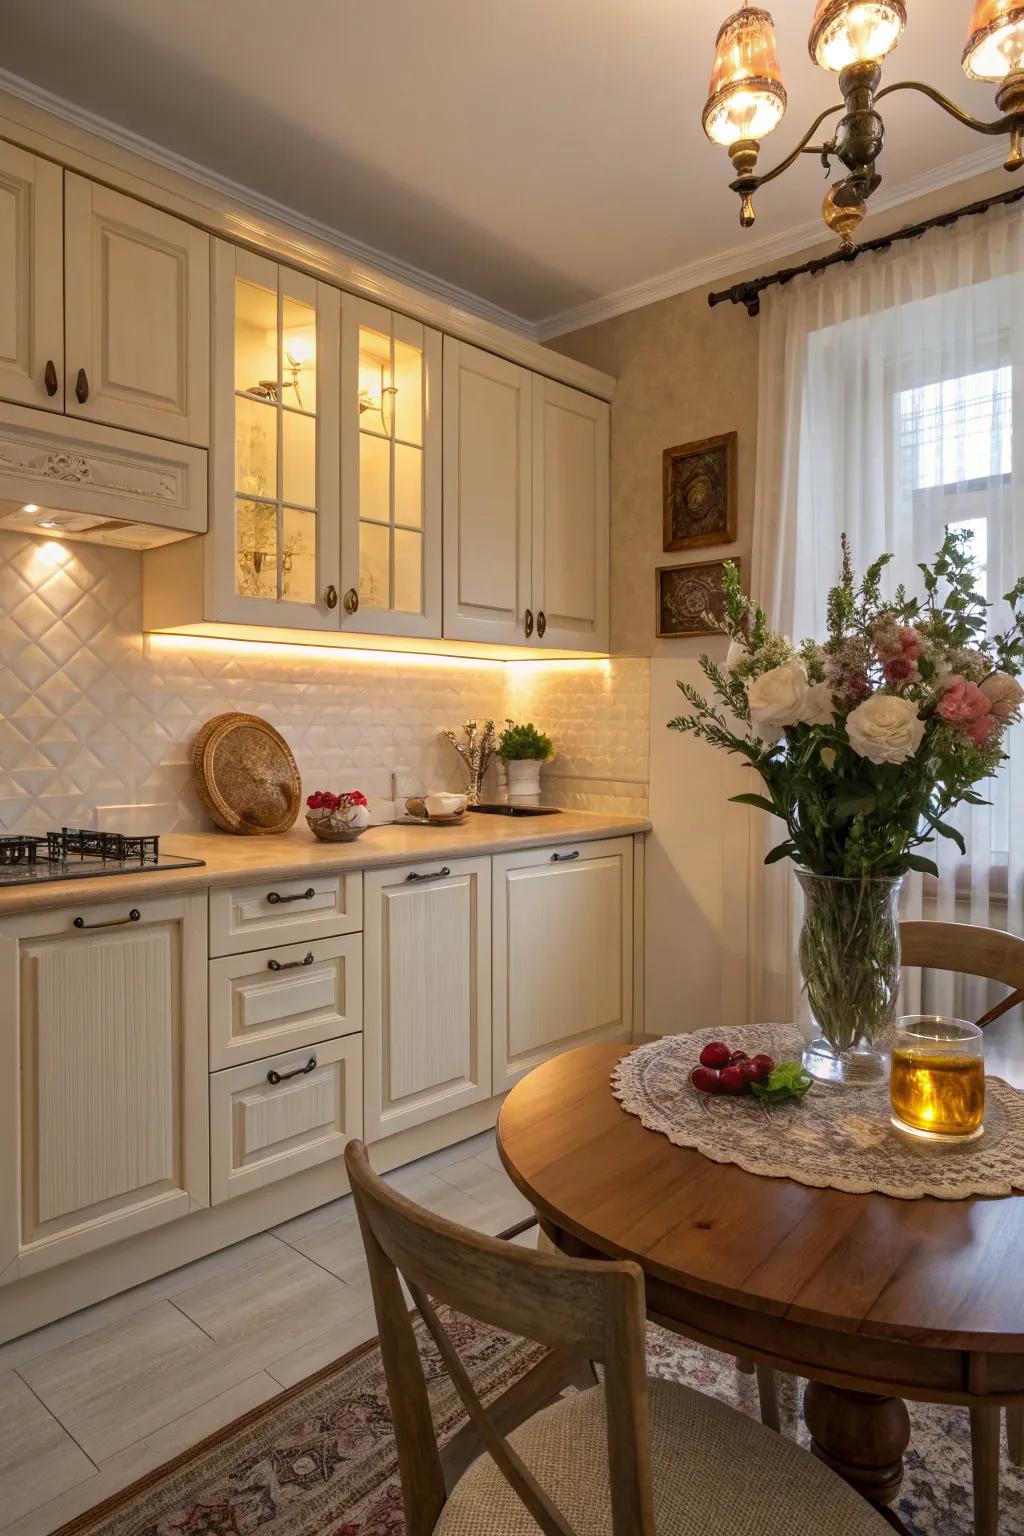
[
  {"x": 744, "y": 258},
  {"x": 257, "y": 202}
]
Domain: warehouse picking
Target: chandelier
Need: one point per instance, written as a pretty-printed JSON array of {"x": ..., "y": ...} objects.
[{"x": 747, "y": 98}]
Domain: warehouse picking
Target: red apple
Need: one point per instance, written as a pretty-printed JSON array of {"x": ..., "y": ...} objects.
[
  {"x": 715, "y": 1054},
  {"x": 733, "y": 1080},
  {"x": 705, "y": 1080}
]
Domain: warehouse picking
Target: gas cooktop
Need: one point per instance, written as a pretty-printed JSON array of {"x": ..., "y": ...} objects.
[{"x": 74, "y": 854}]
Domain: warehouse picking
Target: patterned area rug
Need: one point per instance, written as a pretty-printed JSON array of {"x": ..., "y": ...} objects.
[{"x": 319, "y": 1459}]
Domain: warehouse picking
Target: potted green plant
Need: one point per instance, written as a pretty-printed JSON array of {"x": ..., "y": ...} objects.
[{"x": 522, "y": 749}]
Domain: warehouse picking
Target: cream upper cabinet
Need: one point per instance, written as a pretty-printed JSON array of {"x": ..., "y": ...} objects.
[
  {"x": 426, "y": 992},
  {"x": 488, "y": 424},
  {"x": 104, "y": 1076},
  {"x": 137, "y": 315},
  {"x": 570, "y": 517},
  {"x": 563, "y": 951},
  {"x": 274, "y": 503},
  {"x": 31, "y": 279},
  {"x": 390, "y": 473}
]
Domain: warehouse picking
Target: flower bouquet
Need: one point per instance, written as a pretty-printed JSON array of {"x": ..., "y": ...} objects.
[
  {"x": 337, "y": 818},
  {"x": 865, "y": 743}
]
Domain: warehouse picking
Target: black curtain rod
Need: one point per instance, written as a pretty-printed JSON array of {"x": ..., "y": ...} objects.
[{"x": 749, "y": 293}]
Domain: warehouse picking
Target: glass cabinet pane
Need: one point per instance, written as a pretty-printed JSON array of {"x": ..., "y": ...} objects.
[
  {"x": 276, "y": 431},
  {"x": 374, "y": 479},
  {"x": 408, "y": 486},
  {"x": 376, "y": 390},
  {"x": 408, "y": 571},
  {"x": 408, "y": 393},
  {"x": 374, "y": 565}
]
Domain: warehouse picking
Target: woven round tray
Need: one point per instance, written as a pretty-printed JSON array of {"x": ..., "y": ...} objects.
[{"x": 245, "y": 775}]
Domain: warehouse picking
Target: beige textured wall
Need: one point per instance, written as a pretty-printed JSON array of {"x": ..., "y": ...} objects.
[{"x": 685, "y": 372}]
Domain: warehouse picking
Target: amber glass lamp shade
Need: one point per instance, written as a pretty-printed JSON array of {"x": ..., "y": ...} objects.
[
  {"x": 995, "y": 40},
  {"x": 746, "y": 98},
  {"x": 846, "y": 32}
]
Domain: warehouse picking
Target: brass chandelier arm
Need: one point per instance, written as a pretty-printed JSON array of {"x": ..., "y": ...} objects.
[
  {"x": 804, "y": 147},
  {"x": 1000, "y": 125}
]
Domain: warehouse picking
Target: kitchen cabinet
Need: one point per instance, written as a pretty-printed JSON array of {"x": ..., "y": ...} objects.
[
  {"x": 525, "y": 506},
  {"x": 104, "y": 1076},
  {"x": 280, "y": 1115},
  {"x": 391, "y": 473},
  {"x": 488, "y": 491},
  {"x": 426, "y": 990},
  {"x": 291, "y": 996},
  {"x": 275, "y": 525},
  {"x": 31, "y": 280},
  {"x": 562, "y": 951},
  {"x": 137, "y": 315},
  {"x": 570, "y": 517}
]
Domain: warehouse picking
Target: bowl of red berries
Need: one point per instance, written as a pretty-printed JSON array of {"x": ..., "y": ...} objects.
[
  {"x": 337, "y": 818},
  {"x": 731, "y": 1074}
]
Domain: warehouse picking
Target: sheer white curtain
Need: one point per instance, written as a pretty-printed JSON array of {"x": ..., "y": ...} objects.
[{"x": 891, "y": 403}]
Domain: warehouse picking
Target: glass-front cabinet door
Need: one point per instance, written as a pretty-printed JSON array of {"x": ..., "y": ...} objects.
[
  {"x": 391, "y": 472},
  {"x": 276, "y": 516}
]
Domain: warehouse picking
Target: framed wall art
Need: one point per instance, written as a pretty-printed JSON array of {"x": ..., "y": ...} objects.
[
  {"x": 699, "y": 493},
  {"x": 684, "y": 594}
]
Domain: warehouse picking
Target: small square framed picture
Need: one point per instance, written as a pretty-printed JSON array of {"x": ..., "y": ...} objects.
[
  {"x": 699, "y": 493},
  {"x": 684, "y": 594}
]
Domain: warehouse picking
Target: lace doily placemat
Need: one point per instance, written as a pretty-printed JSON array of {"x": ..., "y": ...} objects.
[{"x": 837, "y": 1138}]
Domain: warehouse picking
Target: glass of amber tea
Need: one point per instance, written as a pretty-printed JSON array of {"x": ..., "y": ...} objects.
[{"x": 937, "y": 1080}]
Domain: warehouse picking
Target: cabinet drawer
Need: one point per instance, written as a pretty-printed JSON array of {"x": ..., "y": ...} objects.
[
  {"x": 263, "y": 1130},
  {"x": 253, "y": 916},
  {"x": 284, "y": 998}
]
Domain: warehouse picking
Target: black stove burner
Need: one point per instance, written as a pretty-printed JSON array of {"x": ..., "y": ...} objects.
[
  {"x": 71, "y": 842},
  {"x": 18, "y": 849}
]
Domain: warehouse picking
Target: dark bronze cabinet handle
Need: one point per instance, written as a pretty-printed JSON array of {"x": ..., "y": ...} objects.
[
  {"x": 435, "y": 874},
  {"x": 82, "y": 387},
  {"x": 115, "y": 922},
  {"x": 351, "y": 601},
  {"x": 275, "y": 898},
  {"x": 331, "y": 597},
  {"x": 289, "y": 965},
  {"x": 282, "y": 1077},
  {"x": 50, "y": 378},
  {"x": 542, "y": 625},
  {"x": 563, "y": 858},
  {"x": 528, "y": 622}
]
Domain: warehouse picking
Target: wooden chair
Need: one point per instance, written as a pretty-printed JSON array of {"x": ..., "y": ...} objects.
[
  {"x": 630, "y": 1458},
  {"x": 990, "y": 953}
]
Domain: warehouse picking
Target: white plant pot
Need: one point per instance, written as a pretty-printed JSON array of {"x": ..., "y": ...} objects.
[{"x": 524, "y": 779}]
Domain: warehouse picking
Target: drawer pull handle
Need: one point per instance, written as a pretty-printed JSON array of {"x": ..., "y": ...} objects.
[
  {"x": 435, "y": 874},
  {"x": 115, "y": 922},
  {"x": 82, "y": 386},
  {"x": 289, "y": 965},
  {"x": 282, "y": 1077},
  {"x": 275, "y": 898},
  {"x": 50, "y": 379},
  {"x": 563, "y": 858}
]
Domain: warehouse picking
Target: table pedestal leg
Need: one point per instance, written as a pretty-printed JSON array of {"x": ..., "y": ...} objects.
[{"x": 860, "y": 1436}]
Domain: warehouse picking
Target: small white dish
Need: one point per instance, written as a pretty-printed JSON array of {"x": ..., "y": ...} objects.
[{"x": 442, "y": 804}]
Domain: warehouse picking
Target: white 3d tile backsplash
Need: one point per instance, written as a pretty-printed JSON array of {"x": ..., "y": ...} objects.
[{"x": 96, "y": 718}]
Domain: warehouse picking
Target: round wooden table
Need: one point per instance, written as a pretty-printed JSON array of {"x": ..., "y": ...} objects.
[{"x": 872, "y": 1299}]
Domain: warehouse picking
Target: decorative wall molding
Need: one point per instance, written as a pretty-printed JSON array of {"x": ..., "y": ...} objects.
[{"x": 724, "y": 266}]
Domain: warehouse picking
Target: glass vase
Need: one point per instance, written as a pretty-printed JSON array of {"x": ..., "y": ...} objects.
[{"x": 850, "y": 963}]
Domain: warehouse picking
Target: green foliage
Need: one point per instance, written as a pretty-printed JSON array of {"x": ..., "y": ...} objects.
[
  {"x": 519, "y": 743},
  {"x": 788, "y": 1083}
]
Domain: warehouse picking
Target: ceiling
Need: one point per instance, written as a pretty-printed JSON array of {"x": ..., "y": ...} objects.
[{"x": 538, "y": 154}]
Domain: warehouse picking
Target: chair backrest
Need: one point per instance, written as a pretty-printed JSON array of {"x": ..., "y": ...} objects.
[
  {"x": 573, "y": 1307},
  {"x": 969, "y": 951}
]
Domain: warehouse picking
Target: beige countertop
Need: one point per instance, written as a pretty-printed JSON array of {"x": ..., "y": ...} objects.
[{"x": 228, "y": 860}]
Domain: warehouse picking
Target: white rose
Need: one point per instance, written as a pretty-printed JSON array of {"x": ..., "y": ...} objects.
[
  {"x": 885, "y": 728},
  {"x": 1004, "y": 693},
  {"x": 777, "y": 698},
  {"x": 734, "y": 655},
  {"x": 818, "y": 706}
]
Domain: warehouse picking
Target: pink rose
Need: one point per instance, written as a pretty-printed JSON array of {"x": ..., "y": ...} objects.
[
  {"x": 962, "y": 703},
  {"x": 982, "y": 730},
  {"x": 900, "y": 669},
  {"x": 1004, "y": 693},
  {"x": 910, "y": 643}
]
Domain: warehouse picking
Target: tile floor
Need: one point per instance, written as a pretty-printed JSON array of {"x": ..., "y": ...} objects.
[{"x": 92, "y": 1402}]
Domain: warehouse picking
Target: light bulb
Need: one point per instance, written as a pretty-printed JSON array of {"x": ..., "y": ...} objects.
[
  {"x": 746, "y": 97},
  {"x": 846, "y": 32},
  {"x": 995, "y": 40}
]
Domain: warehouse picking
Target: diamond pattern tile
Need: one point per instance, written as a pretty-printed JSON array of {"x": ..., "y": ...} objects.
[{"x": 94, "y": 714}]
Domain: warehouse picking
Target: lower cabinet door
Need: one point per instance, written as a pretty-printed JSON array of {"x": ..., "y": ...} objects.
[
  {"x": 426, "y": 988},
  {"x": 563, "y": 951},
  {"x": 275, "y": 1117},
  {"x": 281, "y": 999}
]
